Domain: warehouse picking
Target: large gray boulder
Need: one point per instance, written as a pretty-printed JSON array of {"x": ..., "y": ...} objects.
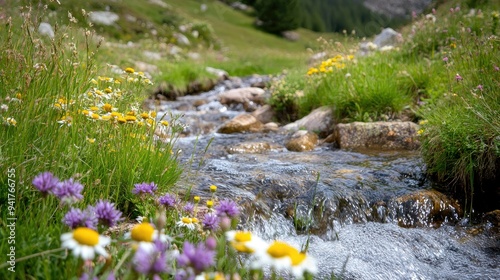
[
  {"x": 319, "y": 120},
  {"x": 242, "y": 96},
  {"x": 378, "y": 135}
]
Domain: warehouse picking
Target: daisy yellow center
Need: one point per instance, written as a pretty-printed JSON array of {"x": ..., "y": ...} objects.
[
  {"x": 186, "y": 220},
  {"x": 129, "y": 70},
  {"x": 297, "y": 258},
  {"x": 240, "y": 247},
  {"x": 143, "y": 232},
  {"x": 144, "y": 115},
  {"x": 243, "y": 236},
  {"x": 86, "y": 236},
  {"x": 122, "y": 120},
  {"x": 280, "y": 249},
  {"x": 107, "y": 107}
]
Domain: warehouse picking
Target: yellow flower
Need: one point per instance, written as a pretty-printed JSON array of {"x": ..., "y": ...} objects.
[
  {"x": 210, "y": 203},
  {"x": 213, "y": 188},
  {"x": 187, "y": 222},
  {"x": 107, "y": 107},
  {"x": 145, "y": 115},
  {"x": 108, "y": 90},
  {"x": 152, "y": 114},
  {"x": 85, "y": 112},
  {"x": 245, "y": 241},
  {"x": 106, "y": 117},
  {"x": 165, "y": 123},
  {"x": 116, "y": 115},
  {"x": 94, "y": 108},
  {"x": 85, "y": 242},
  {"x": 130, "y": 118},
  {"x": 91, "y": 140},
  {"x": 130, "y": 113},
  {"x": 196, "y": 199},
  {"x": 142, "y": 232},
  {"x": 95, "y": 116},
  {"x": 129, "y": 70},
  {"x": 121, "y": 120}
]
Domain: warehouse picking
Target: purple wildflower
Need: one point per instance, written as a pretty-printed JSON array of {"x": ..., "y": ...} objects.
[
  {"x": 78, "y": 218},
  {"x": 45, "y": 182},
  {"x": 197, "y": 257},
  {"x": 210, "y": 221},
  {"x": 68, "y": 191},
  {"x": 106, "y": 213},
  {"x": 151, "y": 260},
  {"x": 144, "y": 188},
  {"x": 458, "y": 78},
  {"x": 227, "y": 208},
  {"x": 167, "y": 200},
  {"x": 445, "y": 59},
  {"x": 189, "y": 208},
  {"x": 480, "y": 87},
  {"x": 211, "y": 243},
  {"x": 496, "y": 68}
]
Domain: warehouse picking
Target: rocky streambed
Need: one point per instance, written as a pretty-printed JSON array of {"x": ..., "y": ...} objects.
[{"x": 370, "y": 213}]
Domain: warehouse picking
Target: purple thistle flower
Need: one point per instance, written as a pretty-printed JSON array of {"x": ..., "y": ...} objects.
[
  {"x": 211, "y": 243},
  {"x": 78, "y": 218},
  {"x": 151, "y": 260},
  {"x": 458, "y": 78},
  {"x": 45, "y": 182},
  {"x": 68, "y": 191},
  {"x": 480, "y": 87},
  {"x": 227, "y": 208},
  {"x": 144, "y": 188},
  {"x": 189, "y": 208},
  {"x": 167, "y": 200},
  {"x": 197, "y": 257},
  {"x": 210, "y": 221},
  {"x": 106, "y": 213},
  {"x": 445, "y": 59}
]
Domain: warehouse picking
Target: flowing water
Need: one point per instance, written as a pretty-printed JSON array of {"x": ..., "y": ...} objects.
[{"x": 360, "y": 208}]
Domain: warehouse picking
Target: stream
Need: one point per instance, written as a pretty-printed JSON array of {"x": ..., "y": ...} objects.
[{"x": 370, "y": 214}]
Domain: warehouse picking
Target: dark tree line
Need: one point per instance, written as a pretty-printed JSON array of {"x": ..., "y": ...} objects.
[{"x": 276, "y": 16}]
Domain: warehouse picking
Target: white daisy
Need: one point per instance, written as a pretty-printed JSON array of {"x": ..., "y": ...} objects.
[
  {"x": 245, "y": 241},
  {"x": 302, "y": 263},
  {"x": 276, "y": 255},
  {"x": 144, "y": 234},
  {"x": 85, "y": 242},
  {"x": 190, "y": 223}
]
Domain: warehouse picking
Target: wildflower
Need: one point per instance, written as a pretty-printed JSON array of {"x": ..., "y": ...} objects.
[
  {"x": 420, "y": 132},
  {"x": 121, "y": 120},
  {"x": 68, "y": 191},
  {"x": 213, "y": 188},
  {"x": 187, "y": 222},
  {"x": 277, "y": 255},
  {"x": 4, "y": 107},
  {"x": 144, "y": 188},
  {"x": 94, "y": 108},
  {"x": 196, "y": 199},
  {"x": 45, "y": 182},
  {"x": 130, "y": 118},
  {"x": 167, "y": 200},
  {"x": 189, "y": 208},
  {"x": 210, "y": 204},
  {"x": 453, "y": 45},
  {"x": 129, "y": 70},
  {"x": 145, "y": 115},
  {"x": 227, "y": 208},
  {"x": 302, "y": 263},
  {"x": 77, "y": 218},
  {"x": 164, "y": 123},
  {"x": 145, "y": 232},
  {"x": 423, "y": 122},
  {"x": 11, "y": 121},
  {"x": 445, "y": 59},
  {"x": 458, "y": 78},
  {"x": 210, "y": 222},
  {"x": 85, "y": 243},
  {"x": 480, "y": 87},
  {"x": 496, "y": 68},
  {"x": 198, "y": 257},
  {"x": 106, "y": 213},
  {"x": 107, "y": 107},
  {"x": 245, "y": 241},
  {"x": 151, "y": 260}
]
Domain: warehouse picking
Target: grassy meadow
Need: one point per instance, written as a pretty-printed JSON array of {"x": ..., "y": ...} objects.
[{"x": 81, "y": 159}]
